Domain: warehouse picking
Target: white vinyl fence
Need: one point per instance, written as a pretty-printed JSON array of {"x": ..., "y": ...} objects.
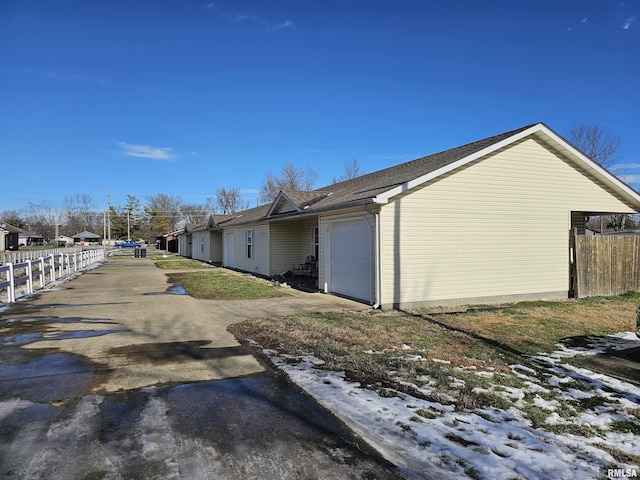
[
  {"x": 19, "y": 256},
  {"x": 24, "y": 277}
]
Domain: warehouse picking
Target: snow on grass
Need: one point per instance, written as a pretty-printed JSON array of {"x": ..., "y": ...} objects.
[{"x": 429, "y": 440}]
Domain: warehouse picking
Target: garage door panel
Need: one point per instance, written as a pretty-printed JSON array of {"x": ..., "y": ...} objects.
[{"x": 351, "y": 260}]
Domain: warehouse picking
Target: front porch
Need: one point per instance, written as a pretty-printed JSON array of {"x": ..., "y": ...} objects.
[{"x": 304, "y": 283}]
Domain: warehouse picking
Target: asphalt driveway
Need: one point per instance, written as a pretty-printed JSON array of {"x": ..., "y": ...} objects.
[{"x": 114, "y": 375}]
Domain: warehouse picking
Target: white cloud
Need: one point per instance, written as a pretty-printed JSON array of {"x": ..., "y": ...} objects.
[
  {"x": 56, "y": 75},
  {"x": 390, "y": 157},
  {"x": 263, "y": 22},
  {"x": 630, "y": 179},
  {"x": 629, "y": 21},
  {"x": 585, "y": 20},
  {"x": 628, "y": 166},
  {"x": 146, "y": 151},
  {"x": 282, "y": 25},
  {"x": 316, "y": 150}
]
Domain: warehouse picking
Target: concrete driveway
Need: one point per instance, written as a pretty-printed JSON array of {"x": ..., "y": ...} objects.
[{"x": 113, "y": 376}]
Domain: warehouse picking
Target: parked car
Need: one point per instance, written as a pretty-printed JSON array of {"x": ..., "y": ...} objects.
[
  {"x": 127, "y": 243},
  {"x": 638, "y": 322}
]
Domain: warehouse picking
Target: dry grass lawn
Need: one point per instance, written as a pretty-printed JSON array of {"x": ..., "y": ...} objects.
[
  {"x": 533, "y": 327},
  {"x": 404, "y": 350}
]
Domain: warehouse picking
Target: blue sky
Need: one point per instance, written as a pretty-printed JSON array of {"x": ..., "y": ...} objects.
[{"x": 183, "y": 97}]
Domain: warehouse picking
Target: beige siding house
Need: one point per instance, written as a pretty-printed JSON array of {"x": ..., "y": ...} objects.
[{"x": 483, "y": 223}]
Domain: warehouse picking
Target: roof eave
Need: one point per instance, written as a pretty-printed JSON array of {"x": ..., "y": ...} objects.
[
  {"x": 576, "y": 154},
  {"x": 274, "y": 204}
]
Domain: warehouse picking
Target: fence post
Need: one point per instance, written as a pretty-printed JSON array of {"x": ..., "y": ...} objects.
[
  {"x": 42, "y": 274},
  {"x": 29, "y": 277},
  {"x": 53, "y": 267},
  {"x": 12, "y": 286}
]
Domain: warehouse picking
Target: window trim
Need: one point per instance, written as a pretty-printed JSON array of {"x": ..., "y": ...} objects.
[
  {"x": 315, "y": 242},
  {"x": 249, "y": 242}
]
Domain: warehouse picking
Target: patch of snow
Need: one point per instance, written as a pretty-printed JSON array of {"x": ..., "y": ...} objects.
[
  {"x": 519, "y": 368},
  {"x": 429, "y": 440},
  {"x": 414, "y": 358}
]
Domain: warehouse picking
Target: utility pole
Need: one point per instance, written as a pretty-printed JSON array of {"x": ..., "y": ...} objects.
[
  {"x": 109, "y": 216},
  {"x": 128, "y": 225}
]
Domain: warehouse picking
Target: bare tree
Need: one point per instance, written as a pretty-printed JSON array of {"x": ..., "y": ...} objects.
[
  {"x": 352, "y": 169},
  {"x": 163, "y": 215},
  {"x": 194, "y": 213},
  {"x": 291, "y": 179},
  {"x": 42, "y": 218},
  {"x": 229, "y": 200},
  {"x": 598, "y": 143},
  {"x": 80, "y": 214},
  {"x": 14, "y": 218},
  {"x": 604, "y": 148}
]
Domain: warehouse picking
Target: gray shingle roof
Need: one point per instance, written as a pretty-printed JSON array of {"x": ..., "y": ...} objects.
[
  {"x": 366, "y": 187},
  {"x": 372, "y": 184},
  {"x": 248, "y": 216}
]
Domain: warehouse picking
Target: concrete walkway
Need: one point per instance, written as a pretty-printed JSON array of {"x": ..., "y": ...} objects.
[
  {"x": 109, "y": 376},
  {"x": 141, "y": 335}
]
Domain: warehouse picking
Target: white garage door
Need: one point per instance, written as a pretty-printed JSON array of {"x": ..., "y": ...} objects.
[{"x": 350, "y": 259}]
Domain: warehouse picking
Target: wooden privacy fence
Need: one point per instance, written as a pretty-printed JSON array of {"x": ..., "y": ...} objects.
[
  {"x": 605, "y": 264},
  {"x": 24, "y": 278}
]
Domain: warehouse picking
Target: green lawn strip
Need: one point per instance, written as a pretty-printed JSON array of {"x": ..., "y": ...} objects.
[
  {"x": 179, "y": 263},
  {"x": 220, "y": 285}
]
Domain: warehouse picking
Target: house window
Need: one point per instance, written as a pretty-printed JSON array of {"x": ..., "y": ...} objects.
[
  {"x": 315, "y": 242},
  {"x": 249, "y": 243}
]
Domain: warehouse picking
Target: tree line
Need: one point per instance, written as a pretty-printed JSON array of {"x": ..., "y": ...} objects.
[
  {"x": 158, "y": 214},
  {"x": 136, "y": 219}
]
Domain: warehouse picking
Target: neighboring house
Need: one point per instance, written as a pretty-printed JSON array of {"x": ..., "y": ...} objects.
[
  {"x": 64, "y": 241},
  {"x": 87, "y": 238},
  {"x": 9, "y": 237},
  {"x": 170, "y": 241},
  {"x": 26, "y": 238},
  {"x": 486, "y": 222},
  {"x": 14, "y": 237}
]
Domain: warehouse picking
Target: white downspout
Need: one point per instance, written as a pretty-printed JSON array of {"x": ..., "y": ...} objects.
[{"x": 377, "y": 255}]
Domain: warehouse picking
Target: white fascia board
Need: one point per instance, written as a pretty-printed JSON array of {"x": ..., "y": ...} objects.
[
  {"x": 274, "y": 204},
  {"x": 384, "y": 197}
]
